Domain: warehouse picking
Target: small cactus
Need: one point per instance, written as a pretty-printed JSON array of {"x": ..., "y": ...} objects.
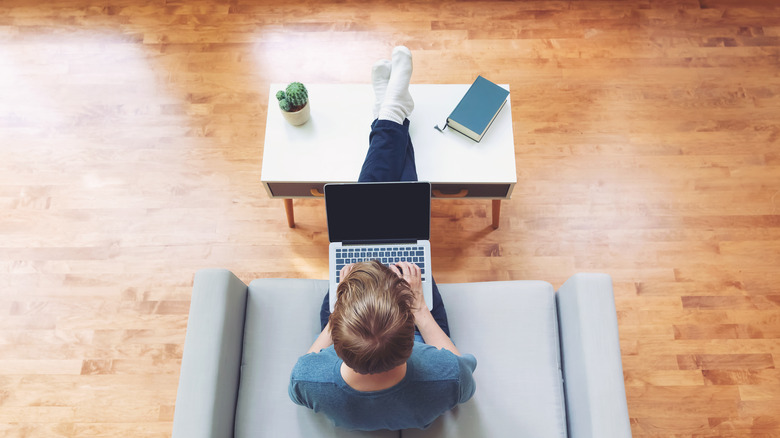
[{"x": 293, "y": 98}]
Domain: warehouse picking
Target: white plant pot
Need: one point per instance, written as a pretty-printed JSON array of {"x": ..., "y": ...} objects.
[{"x": 300, "y": 117}]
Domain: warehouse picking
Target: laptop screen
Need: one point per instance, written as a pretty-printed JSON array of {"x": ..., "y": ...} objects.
[{"x": 378, "y": 212}]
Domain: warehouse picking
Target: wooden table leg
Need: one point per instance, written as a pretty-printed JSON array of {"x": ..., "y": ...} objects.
[
  {"x": 496, "y": 213},
  {"x": 288, "y": 208}
]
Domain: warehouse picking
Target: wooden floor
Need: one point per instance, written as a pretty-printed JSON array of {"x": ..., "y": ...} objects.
[{"x": 647, "y": 137}]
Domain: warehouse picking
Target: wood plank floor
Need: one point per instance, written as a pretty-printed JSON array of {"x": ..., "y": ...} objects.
[{"x": 131, "y": 135}]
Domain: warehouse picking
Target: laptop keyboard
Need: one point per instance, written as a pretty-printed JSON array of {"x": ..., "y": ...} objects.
[{"x": 387, "y": 255}]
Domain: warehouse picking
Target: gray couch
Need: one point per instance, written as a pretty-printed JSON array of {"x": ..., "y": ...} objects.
[{"x": 548, "y": 362}]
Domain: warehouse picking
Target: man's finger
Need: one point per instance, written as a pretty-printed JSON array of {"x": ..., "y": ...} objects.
[{"x": 346, "y": 270}]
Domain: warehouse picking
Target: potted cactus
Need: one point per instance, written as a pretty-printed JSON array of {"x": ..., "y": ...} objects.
[{"x": 294, "y": 103}]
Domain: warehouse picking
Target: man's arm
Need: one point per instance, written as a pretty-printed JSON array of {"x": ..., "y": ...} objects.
[
  {"x": 323, "y": 340},
  {"x": 429, "y": 328},
  {"x": 467, "y": 364},
  {"x": 431, "y": 332}
]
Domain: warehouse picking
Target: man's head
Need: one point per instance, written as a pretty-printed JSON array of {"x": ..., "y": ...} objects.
[{"x": 372, "y": 324}]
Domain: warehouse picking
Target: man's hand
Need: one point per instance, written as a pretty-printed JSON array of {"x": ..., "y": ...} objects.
[
  {"x": 345, "y": 271},
  {"x": 412, "y": 274}
]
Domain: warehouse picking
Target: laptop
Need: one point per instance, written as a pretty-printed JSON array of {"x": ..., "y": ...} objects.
[{"x": 386, "y": 221}]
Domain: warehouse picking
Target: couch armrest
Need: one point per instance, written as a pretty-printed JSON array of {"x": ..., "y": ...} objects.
[
  {"x": 211, "y": 362},
  {"x": 590, "y": 349}
]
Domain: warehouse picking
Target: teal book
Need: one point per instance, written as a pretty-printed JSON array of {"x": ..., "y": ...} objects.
[{"x": 478, "y": 108}]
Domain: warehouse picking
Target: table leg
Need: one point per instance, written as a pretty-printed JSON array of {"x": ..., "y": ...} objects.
[
  {"x": 496, "y": 213},
  {"x": 288, "y": 208}
]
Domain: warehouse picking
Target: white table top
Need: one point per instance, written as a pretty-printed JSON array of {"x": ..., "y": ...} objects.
[{"x": 332, "y": 145}]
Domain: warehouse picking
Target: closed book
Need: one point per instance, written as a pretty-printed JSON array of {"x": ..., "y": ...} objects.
[{"x": 478, "y": 108}]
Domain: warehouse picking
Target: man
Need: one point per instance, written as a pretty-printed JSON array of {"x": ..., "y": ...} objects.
[{"x": 369, "y": 369}]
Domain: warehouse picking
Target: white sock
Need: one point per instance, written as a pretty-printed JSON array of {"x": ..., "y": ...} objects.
[
  {"x": 398, "y": 103},
  {"x": 380, "y": 75}
]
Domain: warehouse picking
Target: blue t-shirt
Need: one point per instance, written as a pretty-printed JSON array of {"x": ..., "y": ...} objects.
[{"x": 436, "y": 380}]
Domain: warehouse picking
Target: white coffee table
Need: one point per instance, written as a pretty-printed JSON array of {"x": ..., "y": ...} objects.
[{"x": 299, "y": 161}]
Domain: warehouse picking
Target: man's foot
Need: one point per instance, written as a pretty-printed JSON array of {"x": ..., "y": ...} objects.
[
  {"x": 398, "y": 103},
  {"x": 380, "y": 75}
]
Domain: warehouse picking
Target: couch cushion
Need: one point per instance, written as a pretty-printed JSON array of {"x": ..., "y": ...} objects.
[
  {"x": 512, "y": 329},
  {"x": 282, "y": 321}
]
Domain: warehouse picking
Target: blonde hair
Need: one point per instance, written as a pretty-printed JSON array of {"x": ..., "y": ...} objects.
[{"x": 372, "y": 324}]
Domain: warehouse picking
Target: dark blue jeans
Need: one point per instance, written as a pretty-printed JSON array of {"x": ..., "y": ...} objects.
[{"x": 390, "y": 157}]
